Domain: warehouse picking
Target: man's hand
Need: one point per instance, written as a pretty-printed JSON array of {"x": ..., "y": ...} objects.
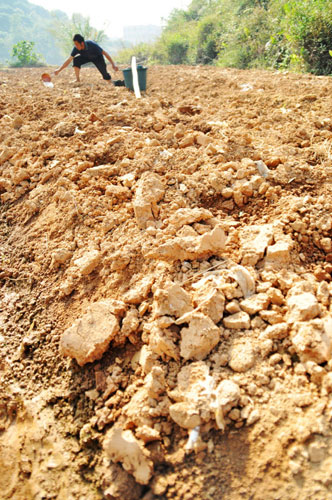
[
  {"x": 114, "y": 66},
  {"x": 65, "y": 64}
]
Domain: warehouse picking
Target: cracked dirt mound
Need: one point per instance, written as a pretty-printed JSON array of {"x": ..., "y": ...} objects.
[{"x": 166, "y": 318}]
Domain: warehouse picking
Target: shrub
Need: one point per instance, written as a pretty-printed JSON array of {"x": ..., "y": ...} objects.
[
  {"x": 208, "y": 40},
  {"x": 309, "y": 26},
  {"x": 243, "y": 44},
  {"x": 177, "y": 48},
  {"x": 24, "y": 53},
  {"x": 64, "y": 29},
  {"x": 142, "y": 52}
]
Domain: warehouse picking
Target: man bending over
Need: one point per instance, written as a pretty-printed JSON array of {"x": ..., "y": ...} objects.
[{"x": 87, "y": 51}]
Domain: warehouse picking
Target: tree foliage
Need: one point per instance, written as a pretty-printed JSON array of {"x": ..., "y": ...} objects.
[
  {"x": 63, "y": 30},
  {"x": 308, "y": 24},
  {"x": 25, "y": 55},
  {"x": 279, "y": 34},
  {"x": 21, "y": 20}
]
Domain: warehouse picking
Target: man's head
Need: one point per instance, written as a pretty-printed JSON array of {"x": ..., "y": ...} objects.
[{"x": 79, "y": 41}]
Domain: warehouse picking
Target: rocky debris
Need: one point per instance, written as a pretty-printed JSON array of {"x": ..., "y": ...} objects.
[
  {"x": 100, "y": 170},
  {"x": 172, "y": 300},
  {"x": 279, "y": 253},
  {"x": 162, "y": 341},
  {"x": 117, "y": 194},
  {"x": 6, "y": 154},
  {"x": 119, "y": 261},
  {"x": 139, "y": 291},
  {"x": 203, "y": 241},
  {"x": 302, "y": 307},
  {"x": 88, "y": 262},
  {"x": 199, "y": 399},
  {"x": 254, "y": 242},
  {"x": 185, "y": 415},
  {"x": 209, "y": 301},
  {"x": 130, "y": 323},
  {"x": 147, "y": 359},
  {"x": 255, "y": 303},
  {"x": 312, "y": 340},
  {"x": 149, "y": 191},
  {"x": 276, "y": 332},
  {"x": 20, "y": 175},
  {"x": 317, "y": 452},
  {"x": 149, "y": 401},
  {"x": 89, "y": 337},
  {"x": 155, "y": 382},
  {"x": 237, "y": 321},
  {"x": 241, "y": 356},
  {"x": 122, "y": 446},
  {"x": 117, "y": 483},
  {"x": 147, "y": 434},
  {"x": 186, "y": 216},
  {"x": 201, "y": 336},
  {"x": 243, "y": 277},
  {"x": 327, "y": 383},
  {"x": 190, "y": 247},
  {"x": 60, "y": 256},
  {"x": 64, "y": 129},
  {"x": 17, "y": 122},
  {"x": 227, "y": 396},
  {"x": 267, "y": 240}
]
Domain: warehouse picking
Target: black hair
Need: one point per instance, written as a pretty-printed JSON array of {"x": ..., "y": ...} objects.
[{"x": 78, "y": 38}]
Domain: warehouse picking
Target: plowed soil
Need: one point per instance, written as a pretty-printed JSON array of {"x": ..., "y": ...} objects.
[{"x": 248, "y": 152}]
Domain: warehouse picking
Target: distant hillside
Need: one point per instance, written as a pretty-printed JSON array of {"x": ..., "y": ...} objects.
[{"x": 21, "y": 20}]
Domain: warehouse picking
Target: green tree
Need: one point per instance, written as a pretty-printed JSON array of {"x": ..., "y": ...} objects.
[
  {"x": 208, "y": 32},
  {"x": 142, "y": 52},
  {"x": 177, "y": 49},
  {"x": 23, "y": 51},
  {"x": 21, "y": 20},
  {"x": 308, "y": 29},
  {"x": 63, "y": 31}
]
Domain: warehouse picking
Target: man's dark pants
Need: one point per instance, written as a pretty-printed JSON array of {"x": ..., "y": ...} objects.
[{"x": 99, "y": 62}]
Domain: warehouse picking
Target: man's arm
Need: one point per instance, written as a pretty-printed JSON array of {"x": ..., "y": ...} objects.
[
  {"x": 65, "y": 64},
  {"x": 110, "y": 60}
]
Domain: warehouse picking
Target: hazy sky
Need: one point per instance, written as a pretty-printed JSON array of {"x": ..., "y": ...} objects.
[{"x": 111, "y": 16}]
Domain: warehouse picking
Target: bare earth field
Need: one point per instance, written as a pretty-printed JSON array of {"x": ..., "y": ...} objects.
[{"x": 165, "y": 301}]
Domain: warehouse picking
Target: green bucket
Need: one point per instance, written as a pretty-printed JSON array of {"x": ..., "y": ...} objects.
[{"x": 128, "y": 77}]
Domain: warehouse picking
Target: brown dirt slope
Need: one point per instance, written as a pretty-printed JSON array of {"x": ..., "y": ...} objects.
[{"x": 166, "y": 318}]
